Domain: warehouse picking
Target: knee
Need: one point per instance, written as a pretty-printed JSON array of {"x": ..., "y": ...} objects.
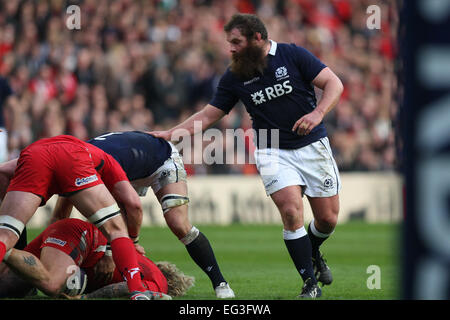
[
  {"x": 328, "y": 224},
  {"x": 292, "y": 216},
  {"x": 327, "y": 221}
]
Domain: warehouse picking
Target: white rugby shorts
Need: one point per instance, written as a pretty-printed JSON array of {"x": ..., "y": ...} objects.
[
  {"x": 3, "y": 145},
  {"x": 171, "y": 171},
  {"x": 312, "y": 167}
]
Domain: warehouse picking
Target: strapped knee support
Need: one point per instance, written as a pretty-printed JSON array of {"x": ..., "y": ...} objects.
[
  {"x": 11, "y": 224},
  {"x": 172, "y": 200},
  {"x": 104, "y": 214},
  {"x": 190, "y": 236}
]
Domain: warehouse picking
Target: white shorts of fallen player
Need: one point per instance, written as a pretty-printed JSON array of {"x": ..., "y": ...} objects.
[
  {"x": 171, "y": 171},
  {"x": 311, "y": 167}
]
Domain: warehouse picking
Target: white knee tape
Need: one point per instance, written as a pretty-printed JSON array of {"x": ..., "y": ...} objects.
[
  {"x": 12, "y": 224},
  {"x": 190, "y": 236},
  {"x": 104, "y": 214},
  {"x": 171, "y": 200}
]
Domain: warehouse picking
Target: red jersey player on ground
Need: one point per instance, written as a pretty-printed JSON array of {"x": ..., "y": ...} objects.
[
  {"x": 73, "y": 242},
  {"x": 67, "y": 166}
]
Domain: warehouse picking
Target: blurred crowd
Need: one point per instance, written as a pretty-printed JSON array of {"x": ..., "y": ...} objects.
[{"x": 147, "y": 65}]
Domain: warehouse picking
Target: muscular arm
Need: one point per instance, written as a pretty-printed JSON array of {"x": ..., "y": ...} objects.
[
  {"x": 129, "y": 201},
  {"x": 332, "y": 89},
  {"x": 29, "y": 268},
  {"x": 196, "y": 123}
]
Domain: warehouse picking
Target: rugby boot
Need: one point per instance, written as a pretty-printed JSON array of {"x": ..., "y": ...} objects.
[
  {"x": 310, "y": 290},
  {"x": 149, "y": 295},
  {"x": 321, "y": 270},
  {"x": 223, "y": 291}
]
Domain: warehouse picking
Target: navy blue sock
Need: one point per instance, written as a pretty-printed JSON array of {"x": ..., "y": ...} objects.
[
  {"x": 316, "y": 241},
  {"x": 299, "y": 249},
  {"x": 201, "y": 252}
]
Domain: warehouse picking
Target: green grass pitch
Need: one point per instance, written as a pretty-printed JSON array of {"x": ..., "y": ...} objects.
[{"x": 255, "y": 261}]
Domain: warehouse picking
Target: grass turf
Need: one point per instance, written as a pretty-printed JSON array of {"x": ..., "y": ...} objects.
[{"x": 255, "y": 261}]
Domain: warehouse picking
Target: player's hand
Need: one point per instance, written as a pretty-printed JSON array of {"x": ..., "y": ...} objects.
[
  {"x": 166, "y": 135},
  {"x": 305, "y": 124},
  {"x": 104, "y": 270}
]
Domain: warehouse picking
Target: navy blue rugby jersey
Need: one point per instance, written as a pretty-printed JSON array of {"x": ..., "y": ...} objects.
[
  {"x": 278, "y": 98},
  {"x": 139, "y": 154}
]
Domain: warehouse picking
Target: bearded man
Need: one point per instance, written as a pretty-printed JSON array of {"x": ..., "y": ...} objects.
[{"x": 275, "y": 82}]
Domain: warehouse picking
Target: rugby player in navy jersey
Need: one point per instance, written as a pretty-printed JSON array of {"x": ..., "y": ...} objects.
[
  {"x": 155, "y": 163},
  {"x": 275, "y": 82}
]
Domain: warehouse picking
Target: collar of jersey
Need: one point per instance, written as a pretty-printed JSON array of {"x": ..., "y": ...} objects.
[{"x": 273, "y": 47}]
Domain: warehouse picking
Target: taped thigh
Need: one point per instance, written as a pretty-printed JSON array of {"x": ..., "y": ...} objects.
[
  {"x": 12, "y": 224},
  {"x": 104, "y": 214},
  {"x": 173, "y": 200}
]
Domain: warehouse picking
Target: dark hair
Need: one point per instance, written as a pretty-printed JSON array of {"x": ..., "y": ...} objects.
[{"x": 248, "y": 25}]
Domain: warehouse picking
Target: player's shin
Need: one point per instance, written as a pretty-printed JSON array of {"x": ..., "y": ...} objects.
[
  {"x": 299, "y": 248},
  {"x": 317, "y": 238},
  {"x": 111, "y": 223},
  {"x": 125, "y": 258},
  {"x": 202, "y": 253}
]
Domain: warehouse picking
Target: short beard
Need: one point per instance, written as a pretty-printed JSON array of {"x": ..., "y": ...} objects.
[{"x": 248, "y": 63}]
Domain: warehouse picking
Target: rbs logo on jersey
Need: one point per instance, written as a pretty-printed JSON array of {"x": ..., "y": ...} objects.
[{"x": 270, "y": 93}]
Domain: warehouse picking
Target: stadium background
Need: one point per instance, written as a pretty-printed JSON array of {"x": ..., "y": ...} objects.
[
  {"x": 141, "y": 65},
  {"x": 136, "y": 65}
]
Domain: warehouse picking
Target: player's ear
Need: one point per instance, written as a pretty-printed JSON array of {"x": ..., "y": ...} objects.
[{"x": 257, "y": 36}]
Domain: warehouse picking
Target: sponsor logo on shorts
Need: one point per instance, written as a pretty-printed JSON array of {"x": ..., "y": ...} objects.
[
  {"x": 328, "y": 183},
  {"x": 164, "y": 174},
  {"x": 59, "y": 242},
  {"x": 82, "y": 181},
  {"x": 271, "y": 183}
]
